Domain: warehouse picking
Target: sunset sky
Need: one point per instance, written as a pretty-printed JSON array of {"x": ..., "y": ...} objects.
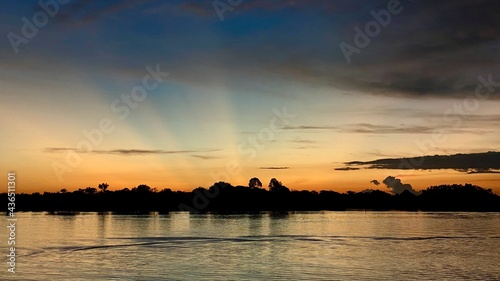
[{"x": 262, "y": 89}]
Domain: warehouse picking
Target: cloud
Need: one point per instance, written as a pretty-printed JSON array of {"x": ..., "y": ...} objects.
[
  {"x": 481, "y": 171},
  {"x": 397, "y": 187},
  {"x": 141, "y": 151},
  {"x": 199, "y": 9},
  {"x": 303, "y": 141},
  {"x": 126, "y": 152},
  {"x": 367, "y": 128},
  {"x": 346, "y": 169},
  {"x": 206, "y": 8},
  {"x": 84, "y": 12},
  {"x": 484, "y": 162},
  {"x": 205, "y": 157},
  {"x": 306, "y": 128},
  {"x": 375, "y": 182},
  {"x": 443, "y": 57},
  {"x": 274, "y": 168},
  {"x": 303, "y": 147}
]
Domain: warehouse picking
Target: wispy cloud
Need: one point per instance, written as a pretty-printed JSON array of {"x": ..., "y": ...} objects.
[
  {"x": 308, "y": 128},
  {"x": 274, "y": 168},
  {"x": 346, "y": 169},
  {"x": 303, "y": 141},
  {"x": 205, "y": 157},
  {"x": 305, "y": 147},
  {"x": 367, "y": 128},
  {"x": 127, "y": 152}
]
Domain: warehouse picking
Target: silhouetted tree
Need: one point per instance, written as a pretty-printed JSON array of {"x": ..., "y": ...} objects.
[
  {"x": 254, "y": 183},
  {"x": 276, "y": 186},
  {"x": 458, "y": 197},
  {"x": 142, "y": 188},
  {"x": 223, "y": 197},
  {"x": 64, "y": 190},
  {"x": 103, "y": 187},
  {"x": 90, "y": 190}
]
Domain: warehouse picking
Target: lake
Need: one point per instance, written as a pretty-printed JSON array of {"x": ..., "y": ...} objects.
[{"x": 292, "y": 246}]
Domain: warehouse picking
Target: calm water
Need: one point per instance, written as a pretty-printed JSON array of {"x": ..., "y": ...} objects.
[{"x": 297, "y": 246}]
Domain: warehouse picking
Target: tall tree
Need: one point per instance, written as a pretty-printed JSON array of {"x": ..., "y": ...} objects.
[
  {"x": 254, "y": 183},
  {"x": 276, "y": 186},
  {"x": 103, "y": 186}
]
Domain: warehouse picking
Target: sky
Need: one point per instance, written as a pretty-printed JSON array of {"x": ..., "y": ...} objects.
[{"x": 322, "y": 95}]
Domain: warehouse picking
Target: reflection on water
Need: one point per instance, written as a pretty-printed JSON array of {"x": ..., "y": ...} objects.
[{"x": 267, "y": 246}]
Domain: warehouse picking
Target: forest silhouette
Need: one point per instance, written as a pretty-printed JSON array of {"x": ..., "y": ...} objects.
[{"x": 223, "y": 197}]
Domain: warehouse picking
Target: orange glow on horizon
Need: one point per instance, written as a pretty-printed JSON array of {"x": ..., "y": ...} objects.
[{"x": 339, "y": 181}]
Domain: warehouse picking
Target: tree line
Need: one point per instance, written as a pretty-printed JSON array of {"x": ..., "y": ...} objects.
[{"x": 224, "y": 197}]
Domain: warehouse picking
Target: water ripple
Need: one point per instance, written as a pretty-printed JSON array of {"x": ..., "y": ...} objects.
[{"x": 149, "y": 241}]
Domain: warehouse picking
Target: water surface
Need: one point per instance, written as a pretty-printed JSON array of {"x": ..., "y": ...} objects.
[{"x": 294, "y": 246}]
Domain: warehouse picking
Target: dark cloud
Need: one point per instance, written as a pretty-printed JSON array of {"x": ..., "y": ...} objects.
[
  {"x": 83, "y": 12},
  {"x": 266, "y": 5},
  {"x": 126, "y": 152},
  {"x": 430, "y": 49},
  {"x": 486, "y": 162},
  {"x": 274, "y": 168},
  {"x": 206, "y": 8},
  {"x": 346, "y": 169},
  {"x": 397, "y": 187},
  {"x": 202, "y": 8},
  {"x": 375, "y": 182}
]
